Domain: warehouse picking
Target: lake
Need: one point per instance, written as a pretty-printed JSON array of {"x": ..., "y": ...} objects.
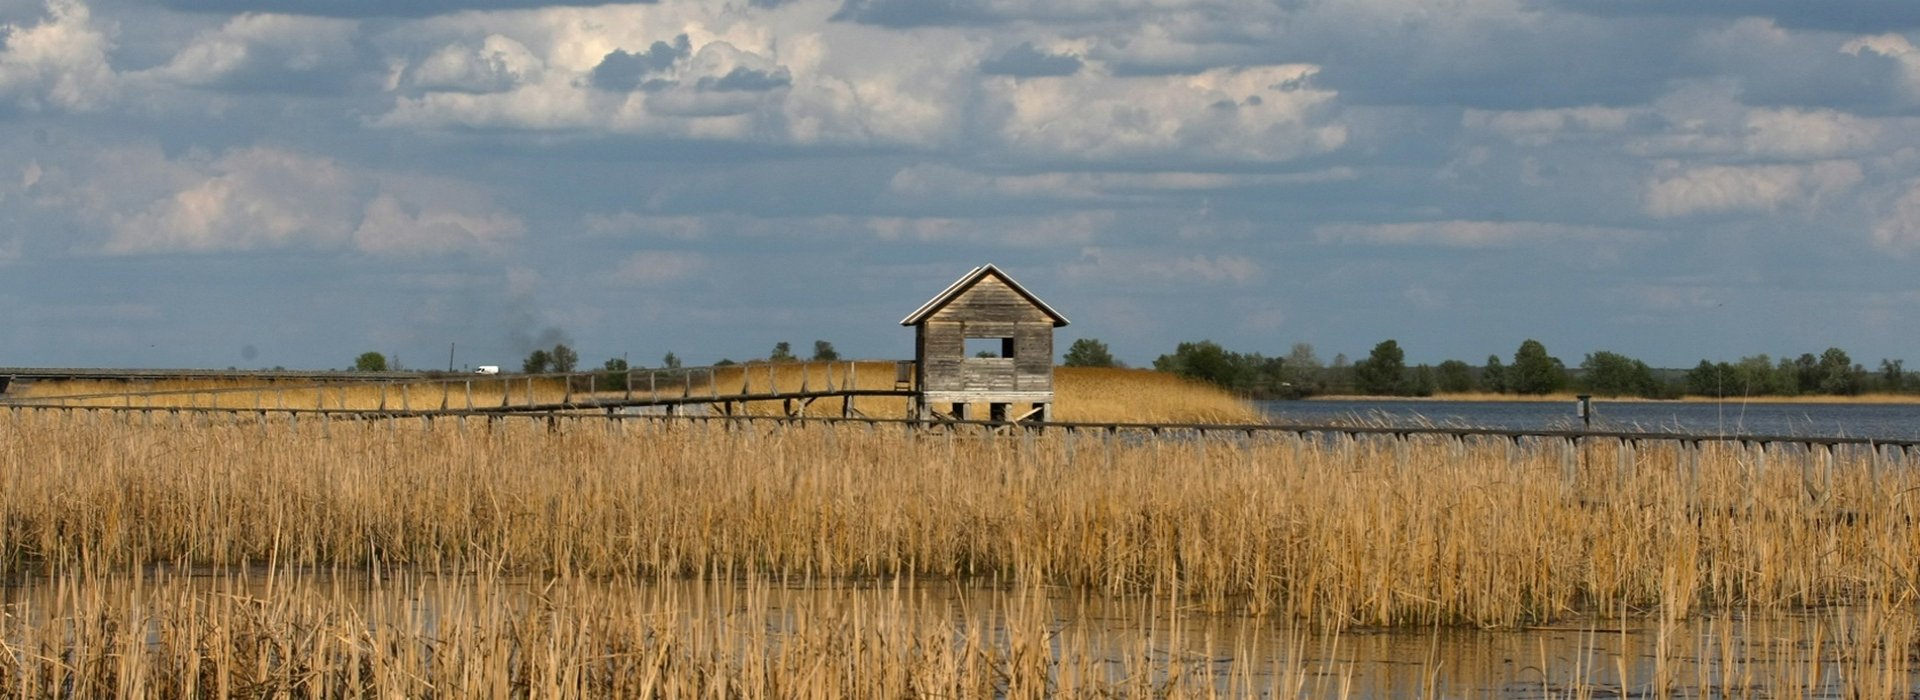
[{"x": 1878, "y": 421}]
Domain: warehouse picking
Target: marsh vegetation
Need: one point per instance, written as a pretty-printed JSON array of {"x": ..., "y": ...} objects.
[{"x": 1306, "y": 535}]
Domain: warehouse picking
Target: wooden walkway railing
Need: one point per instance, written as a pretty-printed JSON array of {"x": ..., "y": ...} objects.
[
  {"x": 793, "y": 385},
  {"x": 783, "y": 390}
]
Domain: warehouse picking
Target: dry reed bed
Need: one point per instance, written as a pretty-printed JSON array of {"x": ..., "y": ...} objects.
[
  {"x": 1333, "y": 534},
  {"x": 1082, "y": 394},
  {"x": 459, "y": 637},
  {"x": 414, "y": 634}
]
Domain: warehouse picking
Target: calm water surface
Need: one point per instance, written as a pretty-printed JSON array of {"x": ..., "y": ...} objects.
[
  {"x": 1879, "y": 421},
  {"x": 1767, "y": 655}
]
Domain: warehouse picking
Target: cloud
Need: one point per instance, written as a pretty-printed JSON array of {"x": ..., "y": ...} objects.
[
  {"x": 1686, "y": 191},
  {"x": 1893, "y": 47},
  {"x": 743, "y": 79},
  {"x": 365, "y": 8},
  {"x": 1252, "y": 114},
  {"x": 262, "y": 197},
  {"x": 415, "y": 223},
  {"x": 939, "y": 181},
  {"x": 498, "y": 64},
  {"x": 1069, "y": 228},
  {"x": 1464, "y": 234},
  {"x": 673, "y": 227},
  {"x": 1898, "y": 231},
  {"x": 1837, "y": 15},
  {"x": 1104, "y": 267},
  {"x": 912, "y": 13},
  {"x": 621, "y": 71},
  {"x": 1540, "y": 127},
  {"x": 1808, "y": 133},
  {"x": 250, "y": 198},
  {"x": 699, "y": 87},
  {"x": 60, "y": 63},
  {"x": 657, "y": 268},
  {"x": 1026, "y": 61},
  {"x": 269, "y": 52}
]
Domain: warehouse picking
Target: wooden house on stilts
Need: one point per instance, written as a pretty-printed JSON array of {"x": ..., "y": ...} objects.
[{"x": 985, "y": 340}]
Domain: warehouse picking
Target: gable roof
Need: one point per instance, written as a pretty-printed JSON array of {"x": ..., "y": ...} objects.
[{"x": 966, "y": 282}]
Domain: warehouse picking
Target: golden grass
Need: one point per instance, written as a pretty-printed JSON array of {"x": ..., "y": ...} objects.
[
  {"x": 253, "y": 393},
  {"x": 484, "y": 636},
  {"x": 1386, "y": 532},
  {"x": 1324, "y": 533},
  {"x": 1081, "y": 394},
  {"x": 1103, "y": 395}
]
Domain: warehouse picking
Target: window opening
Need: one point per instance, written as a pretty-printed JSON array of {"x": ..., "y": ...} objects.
[{"x": 989, "y": 347}]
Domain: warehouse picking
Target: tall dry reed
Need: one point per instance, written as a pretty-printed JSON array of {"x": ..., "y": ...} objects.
[{"x": 1332, "y": 531}]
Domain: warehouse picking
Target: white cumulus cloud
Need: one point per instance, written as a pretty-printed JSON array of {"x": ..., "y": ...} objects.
[
  {"x": 267, "y": 51},
  {"x": 497, "y": 63},
  {"x": 1759, "y": 188},
  {"x": 1898, "y": 231},
  {"x": 396, "y": 224},
  {"x": 267, "y": 198},
  {"x": 60, "y": 62},
  {"x": 1259, "y": 113}
]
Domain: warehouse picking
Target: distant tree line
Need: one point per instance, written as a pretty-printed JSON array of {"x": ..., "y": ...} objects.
[{"x": 1530, "y": 370}]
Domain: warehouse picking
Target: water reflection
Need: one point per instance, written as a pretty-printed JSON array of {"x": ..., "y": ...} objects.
[{"x": 1073, "y": 639}]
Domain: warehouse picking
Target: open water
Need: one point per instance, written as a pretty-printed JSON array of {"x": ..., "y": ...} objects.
[{"x": 1877, "y": 421}]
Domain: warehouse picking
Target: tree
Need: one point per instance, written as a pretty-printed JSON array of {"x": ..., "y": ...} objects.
[
  {"x": 1383, "y": 373},
  {"x": 1838, "y": 374},
  {"x": 1301, "y": 357},
  {"x": 1204, "y": 360},
  {"x": 564, "y": 358},
  {"x": 1756, "y": 376},
  {"x": 1806, "y": 373},
  {"x": 1088, "y": 352},
  {"x": 1421, "y": 381},
  {"x": 614, "y": 372},
  {"x": 782, "y": 352},
  {"x": 1893, "y": 377},
  {"x": 671, "y": 361},
  {"x": 1614, "y": 374},
  {"x": 823, "y": 351},
  {"x": 1709, "y": 379},
  {"x": 1494, "y": 377},
  {"x": 370, "y": 362},
  {"x": 537, "y": 362},
  {"x": 1453, "y": 377},
  {"x": 1534, "y": 371}
]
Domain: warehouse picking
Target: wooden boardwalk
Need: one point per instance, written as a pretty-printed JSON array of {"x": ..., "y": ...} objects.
[
  {"x": 786, "y": 392},
  {"x": 791, "y": 389}
]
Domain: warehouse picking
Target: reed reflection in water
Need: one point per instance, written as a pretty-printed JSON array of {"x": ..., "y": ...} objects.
[{"x": 257, "y": 633}]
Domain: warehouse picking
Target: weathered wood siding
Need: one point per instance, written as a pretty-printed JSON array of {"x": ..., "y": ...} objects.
[{"x": 989, "y": 309}]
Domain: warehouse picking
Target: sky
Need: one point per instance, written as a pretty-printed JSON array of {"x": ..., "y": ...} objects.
[{"x": 261, "y": 183}]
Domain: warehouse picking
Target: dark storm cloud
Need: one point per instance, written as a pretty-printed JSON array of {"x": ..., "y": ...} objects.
[
  {"x": 365, "y": 8},
  {"x": 621, "y": 71},
  {"x": 1863, "y": 16},
  {"x": 1026, "y": 61}
]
